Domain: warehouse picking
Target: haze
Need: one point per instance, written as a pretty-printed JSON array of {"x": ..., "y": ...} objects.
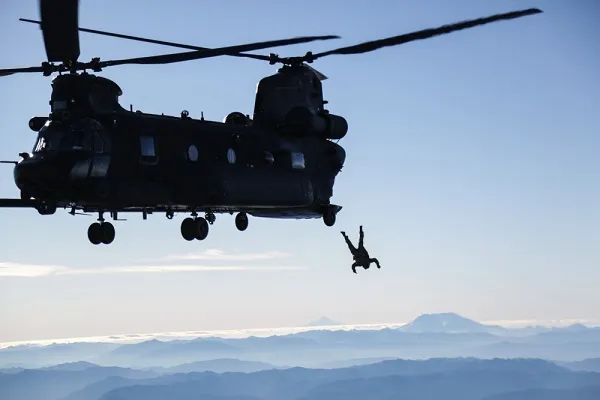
[{"x": 472, "y": 164}]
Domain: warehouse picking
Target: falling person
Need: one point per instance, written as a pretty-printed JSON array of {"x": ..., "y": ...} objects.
[{"x": 360, "y": 254}]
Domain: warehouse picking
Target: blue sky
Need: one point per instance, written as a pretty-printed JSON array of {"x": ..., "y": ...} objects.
[{"x": 472, "y": 162}]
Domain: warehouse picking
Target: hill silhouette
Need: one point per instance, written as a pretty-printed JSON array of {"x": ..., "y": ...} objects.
[
  {"x": 440, "y": 378},
  {"x": 448, "y": 323}
]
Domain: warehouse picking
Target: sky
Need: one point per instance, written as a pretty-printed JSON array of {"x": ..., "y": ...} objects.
[{"x": 472, "y": 163}]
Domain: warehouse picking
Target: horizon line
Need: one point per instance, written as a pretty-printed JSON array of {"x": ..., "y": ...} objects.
[{"x": 127, "y": 338}]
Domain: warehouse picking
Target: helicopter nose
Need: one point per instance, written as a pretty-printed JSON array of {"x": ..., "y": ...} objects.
[{"x": 29, "y": 174}]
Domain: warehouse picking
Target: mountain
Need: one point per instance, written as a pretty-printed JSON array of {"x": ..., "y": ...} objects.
[
  {"x": 323, "y": 321},
  {"x": 467, "y": 379},
  {"x": 443, "y": 378},
  {"x": 218, "y": 365},
  {"x": 55, "y": 384},
  {"x": 353, "y": 362},
  {"x": 580, "y": 393},
  {"x": 12, "y": 370},
  {"x": 41, "y": 356},
  {"x": 71, "y": 366},
  {"x": 448, "y": 323},
  {"x": 589, "y": 364},
  {"x": 575, "y": 327},
  {"x": 171, "y": 353}
]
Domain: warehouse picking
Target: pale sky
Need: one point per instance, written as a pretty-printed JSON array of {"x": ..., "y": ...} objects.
[{"x": 472, "y": 162}]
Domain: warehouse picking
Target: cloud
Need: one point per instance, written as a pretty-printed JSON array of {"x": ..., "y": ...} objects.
[
  {"x": 187, "y": 262},
  {"x": 174, "y": 268},
  {"x": 521, "y": 323},
  {"x": 31, "y": 270},
  {"x": 220, "y": 255}
]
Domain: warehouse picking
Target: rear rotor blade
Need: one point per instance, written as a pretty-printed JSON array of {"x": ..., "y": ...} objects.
[
  {"x": 199, "y": 54},
  {"x": 60, "y": 20},
  {"x": 154, "y": 41},
  {"x": 424, "y": 34}
]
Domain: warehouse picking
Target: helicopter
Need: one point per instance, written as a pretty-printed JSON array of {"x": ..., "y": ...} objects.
[{"x": 92, "y": 155}]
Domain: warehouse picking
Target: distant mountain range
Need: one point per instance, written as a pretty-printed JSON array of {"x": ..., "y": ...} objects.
[
  {"x": 438, "y": 378},
  {"x": 429, "y": 335}
]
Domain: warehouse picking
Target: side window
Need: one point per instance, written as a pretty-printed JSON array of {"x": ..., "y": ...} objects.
[
  {"x": 297, "y": 160},
  {"x": 192, "y": 153},
  {"x": 148, "y": 149}
]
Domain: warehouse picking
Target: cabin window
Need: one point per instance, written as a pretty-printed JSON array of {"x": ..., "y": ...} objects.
[
  {"x": 297, "y": 160},
  {"x": 231, "y": 156},
  {"x": 192, "y": 153},
  {"x": 148, "y": 149}
]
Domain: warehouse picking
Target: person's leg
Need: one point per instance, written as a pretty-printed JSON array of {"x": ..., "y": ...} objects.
[
  {"x": 361, "y": 238},
  {"x": 349, "y": 243}
]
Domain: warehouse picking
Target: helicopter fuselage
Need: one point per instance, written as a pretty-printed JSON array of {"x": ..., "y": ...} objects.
[
  {"x": 120, "y": 160},
  {"x": 134, "y": 160}
]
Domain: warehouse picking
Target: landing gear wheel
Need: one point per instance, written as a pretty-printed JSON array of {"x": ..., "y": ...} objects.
[
  {"x": 95, "y": 233},
  {"x": 101, "y": 232},
  {"x": 45, "y": 208},
  {"x": 108, "y": 232},
  {"x": 189, "y": 229},
  {"x": 241, "y": 221},
  {"x": 329, "y": 216},
  {"x": 202, "y": 228}
]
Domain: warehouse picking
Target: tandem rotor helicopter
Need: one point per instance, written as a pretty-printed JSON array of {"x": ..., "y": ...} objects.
[{"x": 92, "y": 155}]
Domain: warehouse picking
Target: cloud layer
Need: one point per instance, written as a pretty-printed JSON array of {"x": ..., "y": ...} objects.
[
  {"x": 10, "y": 269},
  {"x": 264, "y": 332},
  {"x": 220, "y": 255}
]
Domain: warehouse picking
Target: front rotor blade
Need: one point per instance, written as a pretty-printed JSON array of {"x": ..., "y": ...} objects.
[
  {"x": 10, "y": 71},
  {"x": 425, "y": 34},
  {"x": 196, "y": 55},
  {"x": 154, "y": 41},
  {"x": 59, "y": 22}
]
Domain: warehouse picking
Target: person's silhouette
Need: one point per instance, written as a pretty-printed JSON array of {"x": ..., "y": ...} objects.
[{"x": 360, "y": 254}]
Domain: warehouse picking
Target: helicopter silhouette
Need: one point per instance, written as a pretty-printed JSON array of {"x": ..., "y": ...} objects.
[{"x": 94, "y": 156}]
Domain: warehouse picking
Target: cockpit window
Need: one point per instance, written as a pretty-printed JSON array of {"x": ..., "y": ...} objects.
[
  {"x": 84, "y": 138},
  {"x": 40, "y": 145},
  {"x": 48, "y": 140}
]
